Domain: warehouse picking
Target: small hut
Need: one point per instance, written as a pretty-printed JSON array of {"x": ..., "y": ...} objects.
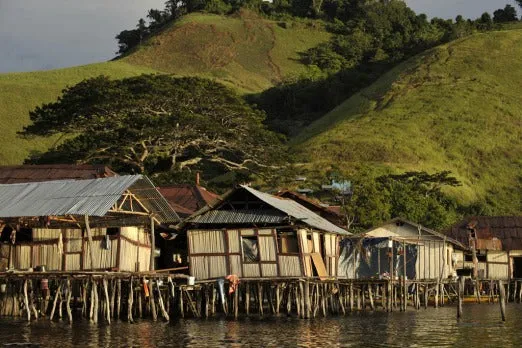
[
  {"x": 257, "y": 235},
  {"x": 495, "y": 244},
  {"x": 400, "y": 247},
  {"x": 79, "y": 225}
]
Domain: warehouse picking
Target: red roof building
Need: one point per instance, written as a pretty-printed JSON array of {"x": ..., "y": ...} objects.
[{"x": 187, "y": 199}]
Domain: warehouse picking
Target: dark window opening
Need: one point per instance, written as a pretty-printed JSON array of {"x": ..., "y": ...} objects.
[
  {"x": 112, "y": 231},
  {"x": 517, "y": 267},
  {"x": 250, "y": 249},
  {"x": 287, "y": 243},
  {"x": 480, "y": 258}
]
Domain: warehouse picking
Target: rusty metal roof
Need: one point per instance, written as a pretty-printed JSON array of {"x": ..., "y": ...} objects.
[
  {"x": 94, "y": 197},
  {"x": 490, "y": 230},
  {"x": 51, "y": 172},
  {"x": 187, "y": 199}
]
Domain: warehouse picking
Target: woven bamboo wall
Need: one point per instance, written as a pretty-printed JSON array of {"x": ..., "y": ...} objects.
[
  {"x": 251, "y": 270},
  {"x": 267, "y": 248},
  {"x": 233, "y": 241},
  {"x": 103, "y": 258},
  {"x": 290, "y": 266},
  {"x": 144, "y": 258},
  {"x": 47, "y": 255},
  {"x": 202, "y": 242}
]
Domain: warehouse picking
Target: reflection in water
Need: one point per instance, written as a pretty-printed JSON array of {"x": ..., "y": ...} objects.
[{"x": 480, "y": 326}]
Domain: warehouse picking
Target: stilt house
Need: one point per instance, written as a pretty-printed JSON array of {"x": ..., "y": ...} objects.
[
  {"x": 397, "y": 248},
  {"x": 257, "y": 235},
  {"x": 78, "y": 225},
  {"x": 495, "y": 244}
]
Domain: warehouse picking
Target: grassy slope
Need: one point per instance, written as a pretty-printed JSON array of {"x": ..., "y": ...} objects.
[
  {"x": 456, "y": 107},
  {"x": 22, "y": 92},
  {"x": 243, "y": 51}
]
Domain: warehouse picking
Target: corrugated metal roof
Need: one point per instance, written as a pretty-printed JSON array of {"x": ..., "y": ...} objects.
[
  {"x": 286, "y": 207},
  {"x": 297, "y": 211},
  {"x": 50, "y": 172},
  {"x": 508, "y": 230},
  {"x": 240, "y": 217},
  {"x": 93, "y": 197},
  {"x": 186, "y": 199}
]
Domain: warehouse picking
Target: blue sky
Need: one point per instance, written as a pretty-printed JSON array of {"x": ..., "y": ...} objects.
[{"x": 48, "y": 34}]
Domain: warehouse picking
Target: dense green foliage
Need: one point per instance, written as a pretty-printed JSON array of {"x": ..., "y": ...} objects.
[{"x": 155, "y": 123}]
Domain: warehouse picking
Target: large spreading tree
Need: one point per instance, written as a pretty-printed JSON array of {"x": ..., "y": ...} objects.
[{"x": 155, "y": 123}]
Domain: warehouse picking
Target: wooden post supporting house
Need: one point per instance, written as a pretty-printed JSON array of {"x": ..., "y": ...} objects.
[{"x": 152, "y": 243}]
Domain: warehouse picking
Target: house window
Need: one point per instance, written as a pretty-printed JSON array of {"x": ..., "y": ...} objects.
[
  {"x": 287, "y": 243},
  {"x": 250, "y": 249}
]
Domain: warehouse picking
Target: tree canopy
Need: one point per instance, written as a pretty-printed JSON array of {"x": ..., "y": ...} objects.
[{"x": 155, "y": 123}]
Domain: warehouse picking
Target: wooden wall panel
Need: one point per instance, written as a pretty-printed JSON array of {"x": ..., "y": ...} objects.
[
  {"x": 72, "y": 262},
  {"x": 199, "y": 267},
  {"x": 206, "y": 242},
  {"x": 233, "y": 241},
  {"x": 267, "y": 248},
  {"x": 290, "y": 266},
  {"x": 251, "y": 270},
  {"x": 217, "y": 266},
  {"x": 269, "y": 270},
  {"x": 235, "y": 265}
]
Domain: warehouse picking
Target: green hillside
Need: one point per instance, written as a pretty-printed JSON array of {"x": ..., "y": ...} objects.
[
  {"x": 456, "y": 107},
  {"x": 22, "y": 92},
  {"x": 243, "y": 51}
]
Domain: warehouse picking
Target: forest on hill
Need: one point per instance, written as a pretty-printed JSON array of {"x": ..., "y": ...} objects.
[{"x": 363, "y": 92}]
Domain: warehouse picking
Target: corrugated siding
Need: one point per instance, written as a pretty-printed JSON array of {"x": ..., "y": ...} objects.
[
  {"x": 22, "y": 256},
  {"x": 267, "y": 248},
  {"x": 269, "y": 270},
  {"x": 290, "y": 266},
  {"x": 206, "y": 242},
  {"x": 496, "y": 271},
  {"x": 72, "y": 262},
  {"x": 233, "y": 241},
  {"x": 497, "y": 256},
  {"x": 40, "y": 234},
  {"x": 48, "y": 256},
  {"x": 72, "y": 233},
  {"x": 103, "y": 258},
  {"x": 206, "y": 267},
  {"x": 73, "y": 245},
  {"x": 430, "y": 260},
  {"x": 251, "y": 270},
  {"x": 144, "y": 259},
  {"x": 235, "y": 265}
]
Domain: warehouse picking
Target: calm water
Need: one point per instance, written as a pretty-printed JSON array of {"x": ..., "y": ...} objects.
[{"x": 480, "y": 326}]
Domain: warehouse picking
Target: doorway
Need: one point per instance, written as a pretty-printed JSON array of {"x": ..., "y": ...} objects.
[{"x": 517, "y": 267}]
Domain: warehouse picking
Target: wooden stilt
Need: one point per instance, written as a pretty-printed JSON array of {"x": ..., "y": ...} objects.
[
  {"x": 460, "y": 294},
  {"x": 161, "y": 304},
  {"x": 130, "y": 302},
  {"x": 26, "y": 302},
  {"x": 68, "y": 303},
  {"x": 247, "y": 299},
  {"x": 118, "y": 299},
  {"x": 502, "y": 299},
  {"x": 107, "y": 300},
  {"x": 151, "y": 300}
]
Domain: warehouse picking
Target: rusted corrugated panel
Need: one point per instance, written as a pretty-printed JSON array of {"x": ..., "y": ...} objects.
[
  {"x": 489, "y": 244},
  {"x": 40, "y": 173},
  {"x": 187, "y": 199}
]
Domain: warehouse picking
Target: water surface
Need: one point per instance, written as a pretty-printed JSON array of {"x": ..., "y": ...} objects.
[{"x": 481, "y": 326}]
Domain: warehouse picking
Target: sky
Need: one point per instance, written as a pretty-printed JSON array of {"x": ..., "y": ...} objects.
[{"x": 49, "y": 34}]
